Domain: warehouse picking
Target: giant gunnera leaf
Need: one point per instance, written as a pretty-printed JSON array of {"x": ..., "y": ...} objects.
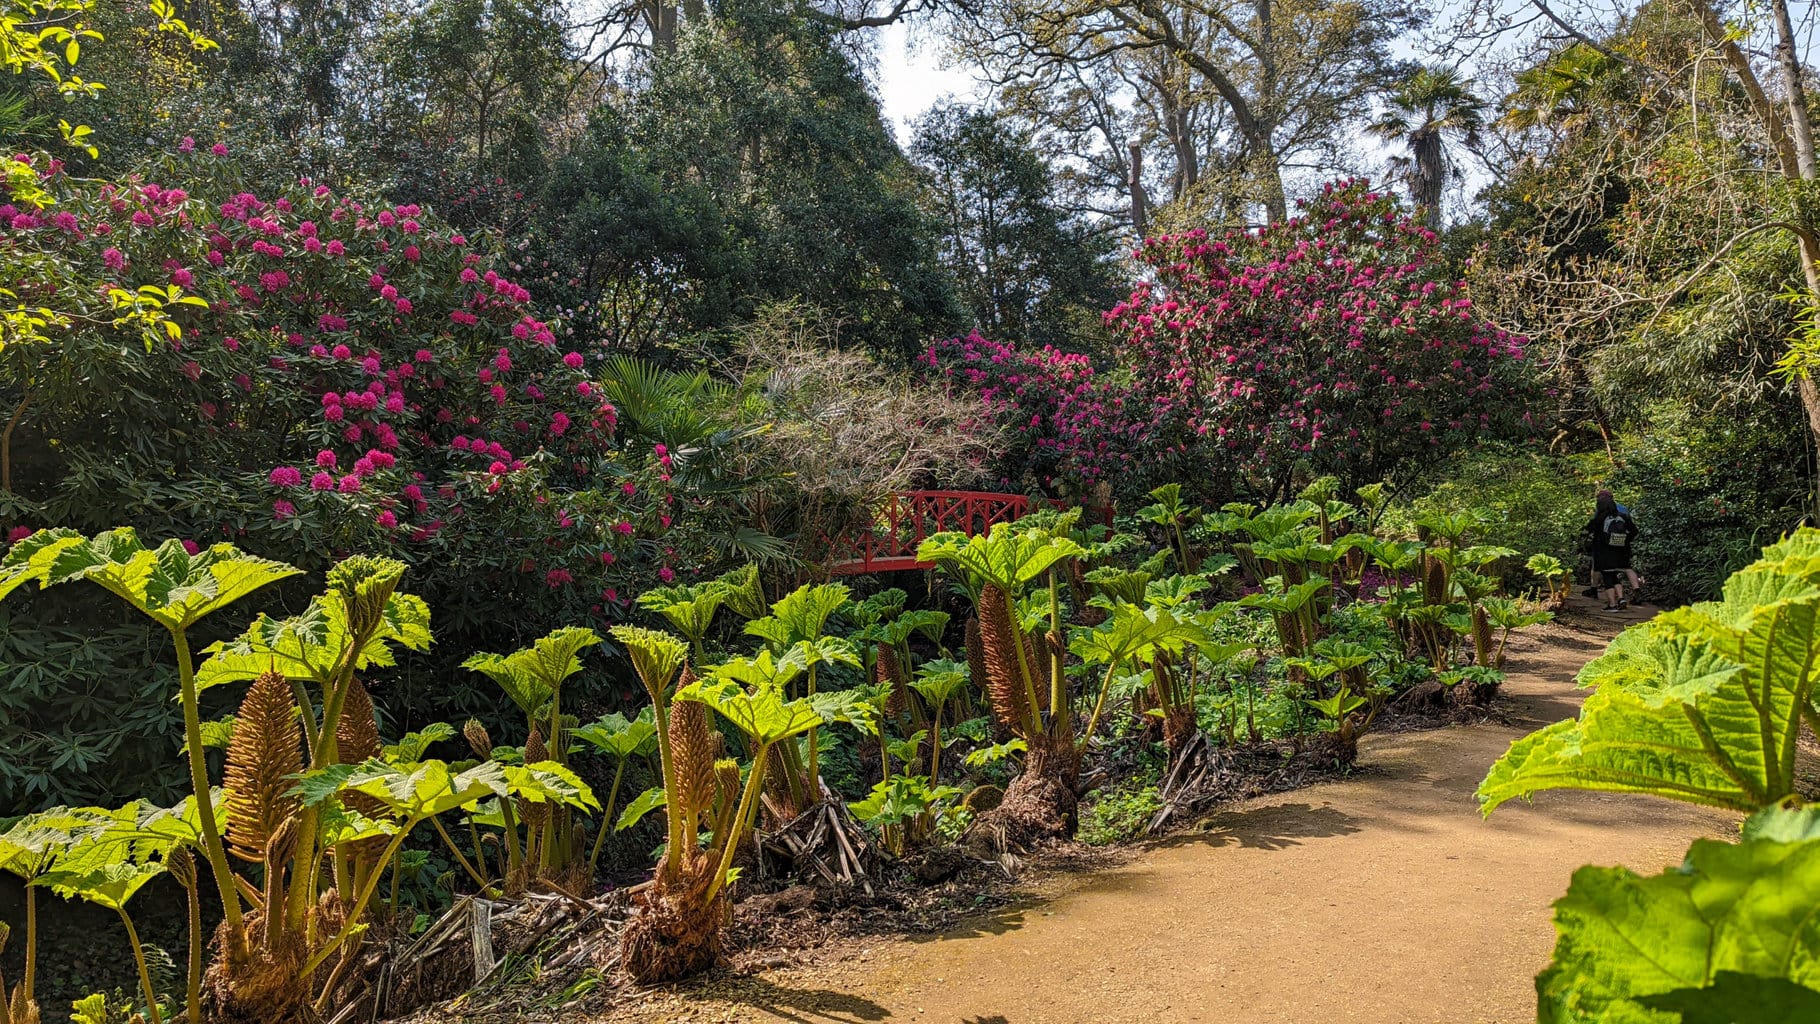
[
  {"x": 1732, "y": 936},
  {"x": 1701, "y": 704}
]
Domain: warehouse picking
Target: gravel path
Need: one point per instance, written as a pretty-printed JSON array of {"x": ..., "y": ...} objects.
[{"x": 1381, "y": 898}]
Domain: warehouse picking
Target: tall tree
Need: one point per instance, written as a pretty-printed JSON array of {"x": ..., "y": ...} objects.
[
  {"x": 1434, "y": 105},
  {"x": 1028, "y": 271},
  {"x": 1666, "y": 115},
  {"x": 1232, "y": 94}
]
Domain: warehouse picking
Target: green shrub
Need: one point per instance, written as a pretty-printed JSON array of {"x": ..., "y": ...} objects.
[
  {"x": 1539, "y": 500},
  {"x": 1118, "y": 815},
  {"x": 1708, "y": 492}
]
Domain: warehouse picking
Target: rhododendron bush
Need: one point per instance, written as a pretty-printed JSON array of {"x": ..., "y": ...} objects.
[
  {"x": 308, "y": 376},
  {"x": 1331, "y": 343}
]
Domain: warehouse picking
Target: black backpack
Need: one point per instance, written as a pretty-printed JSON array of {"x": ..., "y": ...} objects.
[{"x": 1617, "y": 531}]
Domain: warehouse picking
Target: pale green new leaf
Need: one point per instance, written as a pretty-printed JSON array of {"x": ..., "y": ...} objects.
[
  {"x": 413, "y": 745},
  {"x": 531, "y": 676},
  {"x": 107, "y": 885},
  {"x": 616, "y": 736},
  {"x": 656, "y": 656},
  {"x": 938, "y": 681},
  {"x": 415, "y": 792},
  {"x": 311, "y": 645},
  {"x": 1006, "y": 556},
  {"x": 30, "y": 558},
  {"x": 549, "y": 782},
  {"x": 801, "y": 614}
]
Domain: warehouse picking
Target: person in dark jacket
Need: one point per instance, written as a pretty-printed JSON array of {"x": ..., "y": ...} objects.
[{"x": 1611, "y": 533}]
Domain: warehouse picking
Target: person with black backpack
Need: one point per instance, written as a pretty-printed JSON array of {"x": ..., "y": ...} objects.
[{"x": 1611, "y": 533}]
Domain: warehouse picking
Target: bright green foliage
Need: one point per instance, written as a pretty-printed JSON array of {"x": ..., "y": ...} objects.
[
  {"x": 800, "y": 615},
  {"x": 656, "y": 657},
  {"x": 1702, "y": 704},
  {"x": 109, "y": 885},
  {"x": 902, "y": 799},
  {"x": 533, "y": 676},
  {"x": 422, "y": 790},
  {"x": 690, "y": 610},
  {"x": 939, "y": 681},
  {"x": 167, "y": 583},
  {"x": 762, "y": 712},
  {"x": 646, "y": 802},
  {"x": 1731, "y": 935},
  {"x": 411, "y": 746},
  {"x": 310, "y": 646},
  {"x": 1006, "y": 556},
  {"x": 619, "y": 737}
]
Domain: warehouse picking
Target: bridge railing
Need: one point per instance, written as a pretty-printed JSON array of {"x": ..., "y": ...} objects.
[{"x": 902, "y": 522}]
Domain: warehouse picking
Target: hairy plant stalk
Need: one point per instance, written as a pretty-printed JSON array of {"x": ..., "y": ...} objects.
[
  {"x": 192, "y": 991},
  {"x": 1099, "y": 704},
  {"x": 212, "y": 847},
  {"x": 31, "y": 945},
  {"x": 145, "y": 975},
  {"x": 606, "y": 819},
  {"x": 460, "y": 858},
  {"x": 480, "y": 857},
  {"x": 748, "y": 808},
  {"x": 812, "y": 769}
]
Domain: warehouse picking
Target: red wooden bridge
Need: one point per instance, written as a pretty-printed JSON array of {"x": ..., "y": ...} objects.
[{"x": 902, "y": 522}]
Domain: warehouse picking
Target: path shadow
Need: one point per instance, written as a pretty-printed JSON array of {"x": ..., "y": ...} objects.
[
  {"x": 1270, "y": 827},
  {"x": 808, "y": 1005},
  {"x": 993, "y": 922}
]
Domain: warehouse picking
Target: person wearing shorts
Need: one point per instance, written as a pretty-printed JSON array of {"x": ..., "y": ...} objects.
[{"x": 1611, "y": 532}]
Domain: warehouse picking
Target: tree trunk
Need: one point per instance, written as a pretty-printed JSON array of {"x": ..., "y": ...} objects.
[
  {"x": 1792, "y": 81},
  {"x": 1140, "y": 215}
]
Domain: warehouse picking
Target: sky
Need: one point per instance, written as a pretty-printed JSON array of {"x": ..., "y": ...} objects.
[{"x": 911, "y": 78}]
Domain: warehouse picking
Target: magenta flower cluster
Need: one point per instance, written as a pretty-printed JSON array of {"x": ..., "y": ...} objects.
[{"x": 1334, "y": 340}]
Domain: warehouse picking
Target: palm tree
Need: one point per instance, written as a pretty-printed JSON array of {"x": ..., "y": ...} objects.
[{"x": 1433, "y": 104}]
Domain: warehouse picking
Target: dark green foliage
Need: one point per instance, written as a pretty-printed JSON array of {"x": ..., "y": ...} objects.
[
  {"x": 1539, "y": 500},
  {"x": 84, "y": 708},
  {"x": 1709, "y": 492},
  {"x": 1028, "y": 270},
  {"x": 752, "y": 166}
]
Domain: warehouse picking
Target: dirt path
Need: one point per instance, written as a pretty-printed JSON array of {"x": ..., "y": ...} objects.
[{"x": 1382, "y": 898}]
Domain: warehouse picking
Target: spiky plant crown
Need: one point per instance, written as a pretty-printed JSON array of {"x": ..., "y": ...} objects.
[
  {"x": 266, "y": 750},
  {"x": 976, "y": 652},
  {"x": 1434, "y": 580},
  {"x": 357, "y": 740},
  {"x": 1000, "y": 639},
  {"x": 692, "y": 747},
  {"x": 357, "y": 731},
  {"x": 535, "y": 812},
  {"x": 890, "y": 670},
  {"x": 478, "y": 740}
]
